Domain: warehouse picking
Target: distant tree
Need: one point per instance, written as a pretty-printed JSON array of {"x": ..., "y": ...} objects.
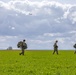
[{"x": 9, "y": 48}]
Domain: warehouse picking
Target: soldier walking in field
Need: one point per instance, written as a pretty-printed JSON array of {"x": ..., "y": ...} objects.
[
  {"x": 75, "y": 48},
  {"x": 22, "y": 45},
  {"x": 55, "y": 47}
]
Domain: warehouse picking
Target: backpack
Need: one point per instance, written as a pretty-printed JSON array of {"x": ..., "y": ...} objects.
[{"x": 19, "y": 45}]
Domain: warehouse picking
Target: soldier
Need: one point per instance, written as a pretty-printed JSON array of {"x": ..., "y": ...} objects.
[
  {"x": 22, "y": 45},
  {"x": 55, "y": 47},
  {"x": 75, "y": 48}
]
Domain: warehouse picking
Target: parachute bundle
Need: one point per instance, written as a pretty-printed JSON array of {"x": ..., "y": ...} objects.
[
  {"x": 22, "y": 45},
  {"x": 74, "y": 46},
  {"x": 19, "y": 45}
]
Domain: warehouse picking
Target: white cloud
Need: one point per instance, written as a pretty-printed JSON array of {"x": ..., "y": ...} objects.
[
  {"x": 61, "y": 40},
  {"x": 72, "y": 32},
  {"x": 66, "y": 14},
  {"x": 40, "y": 41},
  {"x": 7, "y": 41},
  {"x": 52, "y": 34},
  {"x": 73, "y": 17}
]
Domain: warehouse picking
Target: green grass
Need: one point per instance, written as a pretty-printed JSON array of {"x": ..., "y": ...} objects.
[{"x": 37, "y": 63}]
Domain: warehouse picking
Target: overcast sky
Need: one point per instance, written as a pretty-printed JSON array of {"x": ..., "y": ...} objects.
[{"x": 40, "y": 22}]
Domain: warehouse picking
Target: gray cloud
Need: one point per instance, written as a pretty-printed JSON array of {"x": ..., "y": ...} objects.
[{"x": 39, "y": 22}]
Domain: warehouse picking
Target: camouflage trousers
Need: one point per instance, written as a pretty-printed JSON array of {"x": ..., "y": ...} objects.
[
  {"x": 22, "y": 51},
  {"x": 55, "y": 50},
  {"x": 75, "y": 51}
]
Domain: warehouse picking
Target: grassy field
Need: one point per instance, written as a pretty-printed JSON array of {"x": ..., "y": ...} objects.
[{"x": 37, "y": 63}]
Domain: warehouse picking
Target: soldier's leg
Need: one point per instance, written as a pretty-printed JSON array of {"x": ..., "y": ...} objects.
[
  {"x": 20, "y": 53},
  {"x": 75, "y": 52},
  {"x": 57, "y": 51},
  {"x": 53, "y": 51},
  {"x": 23, "y": 51}
]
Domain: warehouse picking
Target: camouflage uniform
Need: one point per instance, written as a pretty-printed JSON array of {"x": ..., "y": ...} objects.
[
  {"x": 23, "y": 47},
  {"x": 75, "y": 48},
  {"x": 55, "y": 47}
]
